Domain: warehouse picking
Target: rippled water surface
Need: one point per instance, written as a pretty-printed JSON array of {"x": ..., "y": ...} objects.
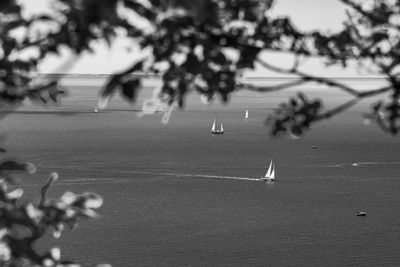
[{"x": 172, "y": 197}]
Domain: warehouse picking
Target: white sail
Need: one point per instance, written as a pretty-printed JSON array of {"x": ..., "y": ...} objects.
[
  {"x": 222, "y": 128},
  {"x": 213, "y": 126},
  {"x": 270, "y": 175},
  {"x": 247, "y": 114},
  {"x": 269, "y": 170}
]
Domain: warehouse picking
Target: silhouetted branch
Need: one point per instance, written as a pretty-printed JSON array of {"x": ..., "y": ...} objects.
[
  {"x": 338, "y": 109},
  {"x": 327, "y": 81},
  {"x": 369, "y": 93},
  {"x": 359, "y": 9},
  {"x": 375, "y": 17},
  {"x": 273, "y": 88},
  {"x": 310, "y": 78}
]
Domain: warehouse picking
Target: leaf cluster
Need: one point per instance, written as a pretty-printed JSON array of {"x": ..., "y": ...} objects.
[
  {"x": 205, "y": 47},
  {"x": 24, "y": 223},
  {"x": 201, "y": 46}
]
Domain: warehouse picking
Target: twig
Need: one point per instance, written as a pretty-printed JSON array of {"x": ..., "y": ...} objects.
[
  {"x": 369, "y": 93},
  {"x": 338, "y": 109},
  {"x": 369, "y": 15},
  {"x": 360, "y": 10},
  {"x": 308, "y": 77},
  {"x": 267, "y": 89}
]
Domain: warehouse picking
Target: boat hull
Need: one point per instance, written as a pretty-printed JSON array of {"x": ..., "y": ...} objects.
[{"x": 267, "y": 179}]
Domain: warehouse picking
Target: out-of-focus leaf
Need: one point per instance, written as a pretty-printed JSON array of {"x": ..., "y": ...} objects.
[
  {"x": 111, "y": 85},
  {"x": 12, "y": 165},
  {"x": 15, "y": 194},
  {"x": 68, "y": 198},
  {"x": 9, "y": 6},
  {"x": 129, "y": 89},
  {"x": 379, "y": 36},
  {"x": 34, "y": 213},
  {"x": 192, "y": 64},
  {"x": 140, "y": 9},
  {"x": 247, "y": 57},
  {"x": 295, "y": 117},
  {"x": 55, "y": 253},
  {"x": 45, "y": 189},
  {"x": 92, "y": 200},
  {"x": 115, "y": 82},
  {"x": 58, "y": 230}
]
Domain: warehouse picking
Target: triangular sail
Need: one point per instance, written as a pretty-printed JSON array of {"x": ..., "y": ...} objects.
[
  {"x": 270, "y": 170},
  {"x": 213, "y": 126},
  {"x": 272, "y": 175},
  {"x": 222, "y": 128},
  {"x": 247, "y": 114}
]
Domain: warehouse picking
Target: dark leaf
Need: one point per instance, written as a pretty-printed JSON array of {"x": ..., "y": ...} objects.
[
  {"x": 9, "y": 6},
  {"x": 140, "y": 9},
  {"x": 116, "y": 80},
  {"x": 12, "y": 165},
  {"x": 247, "y": 57},
  {"x": 129, "y": 89}
]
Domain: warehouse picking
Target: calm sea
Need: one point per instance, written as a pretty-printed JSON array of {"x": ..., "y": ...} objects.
[{"x": 171, "y": 197}]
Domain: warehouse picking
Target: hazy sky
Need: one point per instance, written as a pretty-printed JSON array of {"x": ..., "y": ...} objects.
[
  {"x": 307, "y": 15},
  {"x": 312, "y": 14}
]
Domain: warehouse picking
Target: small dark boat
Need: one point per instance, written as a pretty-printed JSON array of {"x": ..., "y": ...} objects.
[{"x": 362, "y": 213}]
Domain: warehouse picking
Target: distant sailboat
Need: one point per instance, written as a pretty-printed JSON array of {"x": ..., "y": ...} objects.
[
  {"x": 270, "y": 175},
  {"x": 214, "y": 128},
  {"x": 246, "y": 116},
  {"x": 362, "y": 213}
]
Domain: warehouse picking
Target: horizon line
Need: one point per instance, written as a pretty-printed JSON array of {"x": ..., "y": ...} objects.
[{"x": 248, "y": 77}]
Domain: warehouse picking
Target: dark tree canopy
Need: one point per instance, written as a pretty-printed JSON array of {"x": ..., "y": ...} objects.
[{"x": 190, "y": 46}]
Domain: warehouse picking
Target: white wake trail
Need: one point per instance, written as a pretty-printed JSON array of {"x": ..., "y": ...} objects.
[
  {"x": 225, "y": 177},
  {"x": 202, "y": 176},
  {"x": 357, "y": 164},
  {"x": 90, "y": 180}
]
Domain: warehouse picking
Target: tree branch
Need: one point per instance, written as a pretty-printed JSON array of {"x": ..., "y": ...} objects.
[
  {"x": 307, "y": 77},
  {"x": 369, "y": 93},
  {"x": 267, "y": 89},
  {"x": 338, "y": 109},
  {"x": 360, "y": 10}
]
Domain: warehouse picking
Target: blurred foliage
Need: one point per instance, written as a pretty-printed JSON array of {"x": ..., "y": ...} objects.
[
  {"x": 201, "y": 46},
  {"x": 296, "y": 116},
  {"x": 23, "y": 223}
]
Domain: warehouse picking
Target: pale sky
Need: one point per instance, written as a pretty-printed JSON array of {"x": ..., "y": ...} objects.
[
  {"x": 306, "y": 14},
  {"x": 312, "y": 14}
]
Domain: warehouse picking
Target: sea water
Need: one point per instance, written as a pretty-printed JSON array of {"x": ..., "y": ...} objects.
[{"x": 169, "y": 200}]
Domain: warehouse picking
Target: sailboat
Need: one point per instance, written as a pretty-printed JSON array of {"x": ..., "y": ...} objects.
[
  {"x": 214, "y": 128},
  {"x": 270, "y": 175},
  {"x": 246, "y": 116}
]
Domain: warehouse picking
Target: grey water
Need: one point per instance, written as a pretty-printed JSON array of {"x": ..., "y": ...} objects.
[{"x": 169, "y": 200}]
